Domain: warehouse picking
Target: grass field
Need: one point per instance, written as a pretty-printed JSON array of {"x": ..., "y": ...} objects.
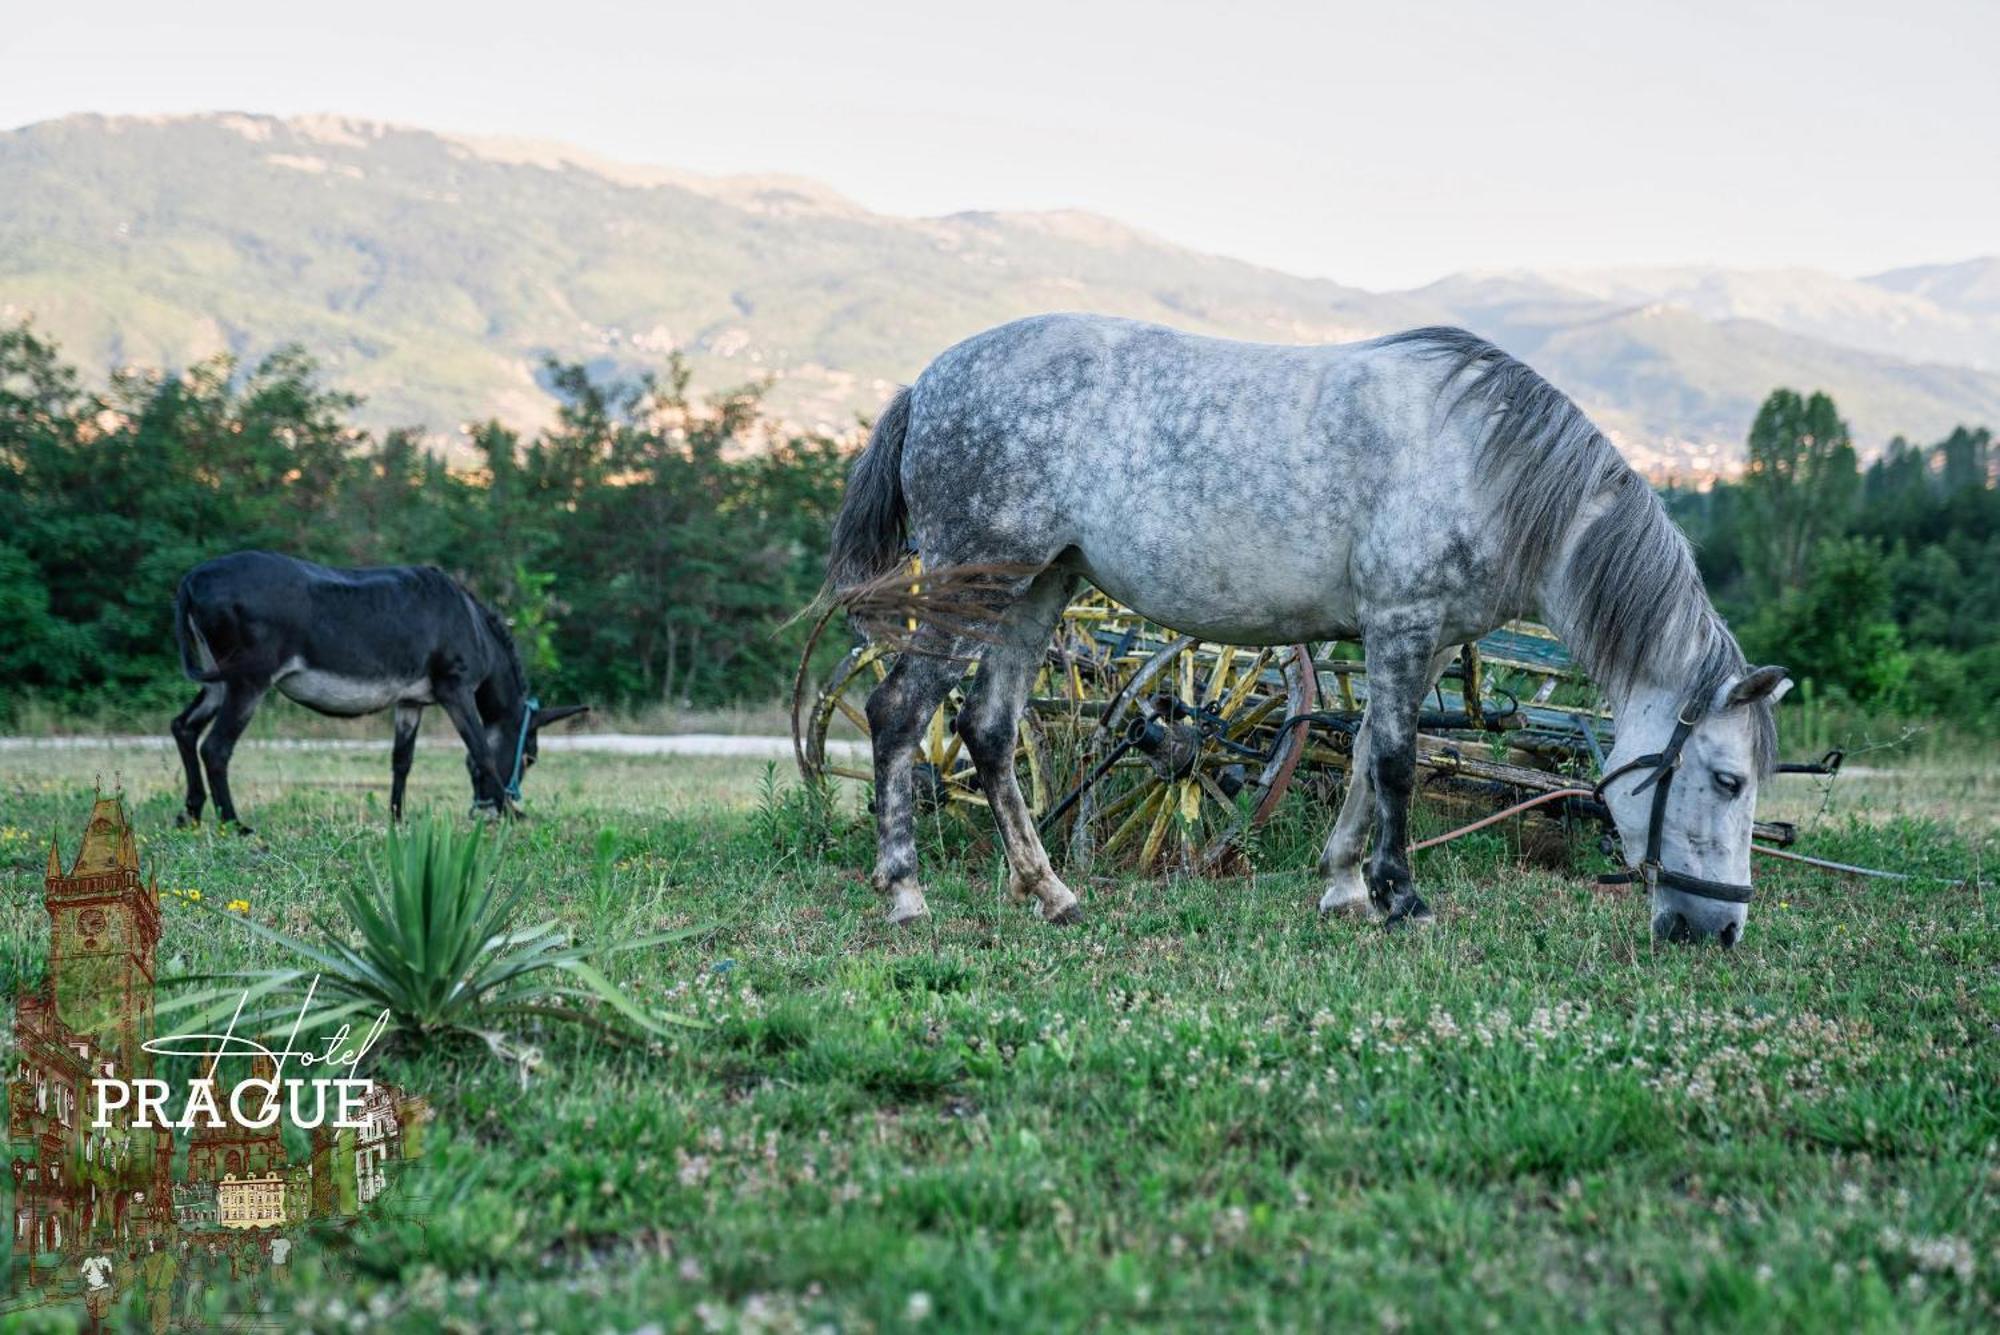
[{"x": 1203, "y": 1106}]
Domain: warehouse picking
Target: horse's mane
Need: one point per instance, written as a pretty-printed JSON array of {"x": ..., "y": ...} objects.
[
  {"x": 497, "y": 627},
  {"x": 1641, "y": 610}
]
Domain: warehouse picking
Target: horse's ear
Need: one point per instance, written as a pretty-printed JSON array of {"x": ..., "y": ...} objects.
[
  {"x": 1765, "y": 683},
  {"x": 544, "y": 717}
]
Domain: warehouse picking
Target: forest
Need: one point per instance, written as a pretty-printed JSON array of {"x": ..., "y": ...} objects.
[
  {"x": 649, "y": 546},
  {"x": 646, "y": 548},
  {"x": 1878, "y": 586}
]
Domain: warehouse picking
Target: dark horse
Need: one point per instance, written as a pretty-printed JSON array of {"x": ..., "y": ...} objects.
[{"x": 348, "y": 643}]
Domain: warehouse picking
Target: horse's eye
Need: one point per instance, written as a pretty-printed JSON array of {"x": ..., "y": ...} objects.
[{"x": 1732, "y": 784}]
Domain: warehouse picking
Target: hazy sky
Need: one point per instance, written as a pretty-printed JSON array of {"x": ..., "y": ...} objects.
[{"x": 1382, "y": 144}]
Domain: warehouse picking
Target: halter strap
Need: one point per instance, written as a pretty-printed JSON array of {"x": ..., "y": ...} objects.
[
  {"x": 1665, "y": 764},
  {"x": 528, "y": 708}
]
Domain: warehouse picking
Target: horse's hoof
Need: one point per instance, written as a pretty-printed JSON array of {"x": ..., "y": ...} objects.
[
  {"x": 187, "y": 820},
  {"x": 241, "y": 829},
  {"x": 906, "y": 905},
  {"x": 1054, "y": 901},
  {"x": 1410, "y": 911},
  {"x": 1346, "y": 898}
]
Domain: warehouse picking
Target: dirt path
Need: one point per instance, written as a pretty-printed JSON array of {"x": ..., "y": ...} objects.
[{"x": 600, "y": 743}]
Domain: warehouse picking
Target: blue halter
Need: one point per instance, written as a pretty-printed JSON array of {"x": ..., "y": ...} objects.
[{"x": 528, "y": 708}]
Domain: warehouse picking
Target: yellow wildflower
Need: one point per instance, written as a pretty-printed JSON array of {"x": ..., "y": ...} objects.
[{"x": 239, "y": 906}]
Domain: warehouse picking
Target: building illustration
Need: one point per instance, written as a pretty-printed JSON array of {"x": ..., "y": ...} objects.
[
  {"x": 393, "y": 1123},
  {"x": 91, "y": 1019},
  {"x": 234, "y": 1150},
  {"x": 250, "y": 1202},
  {"x": 194, "y": 1205},
  {"x": 77, "y": 1188}
]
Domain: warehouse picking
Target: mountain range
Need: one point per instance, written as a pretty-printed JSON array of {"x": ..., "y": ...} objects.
[{"x": 433, "y": 273}]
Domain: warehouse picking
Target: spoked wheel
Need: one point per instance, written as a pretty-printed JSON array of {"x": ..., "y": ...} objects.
[
  {"x": 945, "y": 775},
  {"x": 1188, "y": 757},
  {"x": 1144, "y": 749}
]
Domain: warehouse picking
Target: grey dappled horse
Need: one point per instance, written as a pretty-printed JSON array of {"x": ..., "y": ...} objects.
[{"x": 1413, "y": 492}]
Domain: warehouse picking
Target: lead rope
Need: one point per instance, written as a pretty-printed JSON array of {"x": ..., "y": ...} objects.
[
  {"x": 1559, "y": 794},
  {"x": 528, "y": 708},
  {"x": 1514, "y": 810},
  {"x": 1845, "y": 867}
]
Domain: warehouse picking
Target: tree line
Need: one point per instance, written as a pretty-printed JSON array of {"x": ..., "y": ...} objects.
[
  {"x": 1879, "y": 586},
  {"x": 648, "y": 547}
]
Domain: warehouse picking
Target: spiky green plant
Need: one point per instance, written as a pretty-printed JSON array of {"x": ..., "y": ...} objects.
[{"x": 431, "y": 941}]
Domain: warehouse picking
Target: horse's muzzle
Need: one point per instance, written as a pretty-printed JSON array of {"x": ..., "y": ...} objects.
[{"x": 1679, "y": 925}]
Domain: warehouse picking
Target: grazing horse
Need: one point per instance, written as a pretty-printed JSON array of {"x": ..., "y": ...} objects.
[
  {"x": 348, "y": 643},
  {"x": 1412, "y": 492}
]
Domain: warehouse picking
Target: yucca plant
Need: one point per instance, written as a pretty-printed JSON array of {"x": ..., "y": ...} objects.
[{"x": 432, "y": 942}]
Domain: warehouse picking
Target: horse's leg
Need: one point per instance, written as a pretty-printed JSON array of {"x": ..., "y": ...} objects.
[
  {"x": 1403, "y": 660},
  {"x": 186, "y": 727},
  {"x": 489, "y": 790},
  {"x": 898, "y": 711},
  {"x": 990, "y": 724},
  {"x": 407, "y": 719},
  {"x": 1340, "y": 861},
  {"x": 240, "y": 700},
  {"x": 1347, "y": 889}
]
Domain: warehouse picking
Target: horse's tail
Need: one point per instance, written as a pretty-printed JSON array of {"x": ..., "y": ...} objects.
[
  {"x": 184, "y": 632},
  {"x": 868, "y": 531}
]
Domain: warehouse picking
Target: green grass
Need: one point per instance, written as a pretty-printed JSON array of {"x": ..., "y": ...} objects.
[{"x": 1204, "y": 1106}]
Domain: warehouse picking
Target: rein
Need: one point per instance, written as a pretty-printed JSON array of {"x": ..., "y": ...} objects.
[
  {"x": 1665, "y": 764},
  {"x": 528, "y": 708}
]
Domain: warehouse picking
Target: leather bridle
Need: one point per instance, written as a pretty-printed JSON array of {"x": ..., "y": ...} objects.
[
  {"x": 1665, "y": 763},
  {"x": 528, "y": 708}
]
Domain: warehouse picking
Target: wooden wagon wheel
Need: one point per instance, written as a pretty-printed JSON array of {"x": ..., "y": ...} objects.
[
  {"x": 945, "y": 774},
  {"x": 1196, "y": 759}
]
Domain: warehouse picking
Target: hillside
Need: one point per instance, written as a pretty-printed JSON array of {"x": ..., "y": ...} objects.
[
  {"x": 432, "y": 274},
  {"x": 1909, "y": 314},
  {"x": 1972, "y": 286},
  {"x": 1679, "y": 389}
]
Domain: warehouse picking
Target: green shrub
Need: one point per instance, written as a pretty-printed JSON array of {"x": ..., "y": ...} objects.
[{"x": 432, "y": 944}]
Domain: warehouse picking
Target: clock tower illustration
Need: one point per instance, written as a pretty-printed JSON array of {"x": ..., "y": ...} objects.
[{"x": 104, "y": 931}]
